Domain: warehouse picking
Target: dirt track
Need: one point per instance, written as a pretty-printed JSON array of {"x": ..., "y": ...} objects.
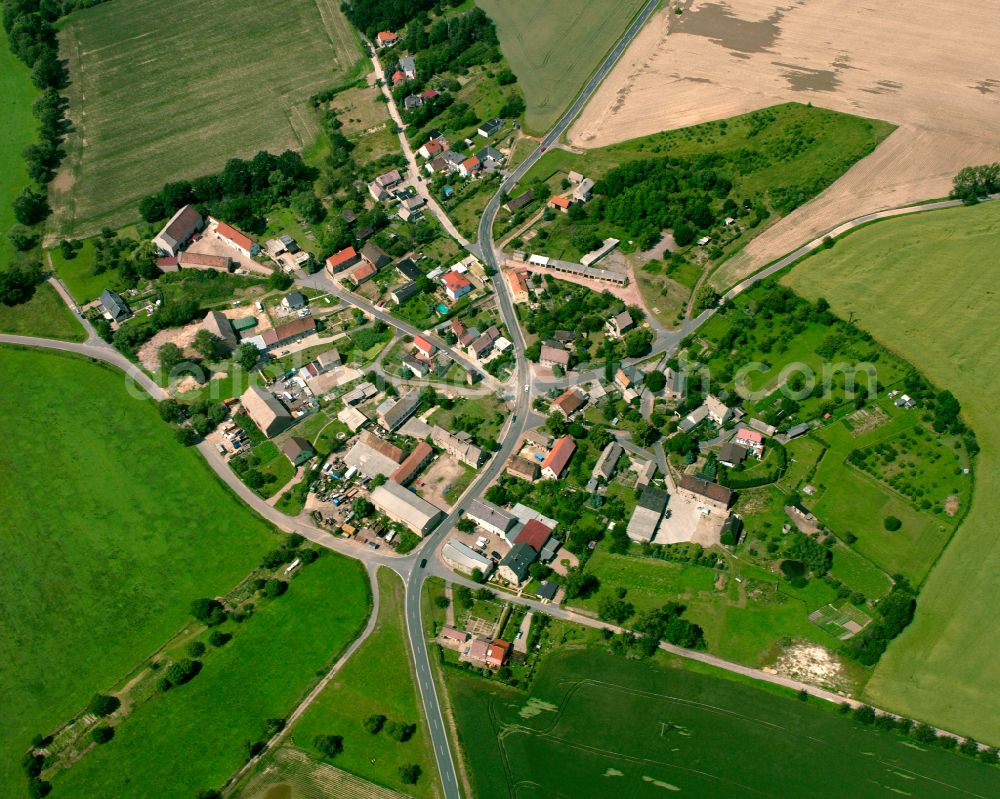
[{"x": 931, "y": 71}]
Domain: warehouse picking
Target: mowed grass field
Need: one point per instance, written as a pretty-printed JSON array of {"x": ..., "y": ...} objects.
[
  {"x": 44, "y": 315},
  {"x": 17, "y": 93},
  {"x": 553, "y": 48},
  {"x": 110, "y": 529},
  {"x": 597, "y": 725},
  {"x": 159, "y": 96},
  {"x": 378, "y": 678},
  {"x": 194, "y": 736},
  {"x": 926, "y": 286}
]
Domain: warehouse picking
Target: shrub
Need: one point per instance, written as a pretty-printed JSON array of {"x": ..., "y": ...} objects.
[
  {"x": 195, "y": 649},
  {"x": 329, "y": 745},
  {"x": 400, "y": 731},
  {"x": 275, "y": 588},
  {"x": 410, "y": 773},
  {"x": 102, "y": 734},
  {"x": 208, "y": 611},
  {"x": 182, "y": 671},
  {"x": 218, "y": 638},
  {"x": 892, "y": 524},
  {"x": 374, "y": 723},
  {"x": 103, "y": 705}
]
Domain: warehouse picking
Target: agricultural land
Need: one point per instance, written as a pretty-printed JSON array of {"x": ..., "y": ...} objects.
[
  {"x": 17, "y": 131},
  {"x": 554, "y": 48},
  {"x": 713, "y": 61},
  {"x": 105, "y": 547},
  {"x": 596, "y": 725},
  {"x": 150, "y": 108},
  {"x": 942, "y": 667}
]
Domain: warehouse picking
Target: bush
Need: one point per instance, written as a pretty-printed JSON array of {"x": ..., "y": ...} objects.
[
  {"x": 208, "y": 611},
  {"x": 195, "y": 649},
  {"x": 102, "y": 734},
  {"x": 864, "y": 714},
  {"x": 400, "y": 731},
  {"x": 410, "y": 773},
  {"x": 892, "y": 524},
  {"x": 218, "y": 638},
  {"x": 38, "y": 788},
  {"x": 374, "y": 723},
  {"x": 182, "y": 671},
  {"x": 275, "y": 588}
]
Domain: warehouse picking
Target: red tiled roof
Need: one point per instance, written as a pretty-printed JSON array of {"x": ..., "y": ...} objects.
[
  {"x": 496, "y": 653},
  {"x": 423, "y": 344},
  {"x": 517, "y": 280},
  {"x": 570, "y": 401},
  {"x": 560, "y": 455},
  {"x": 398, "y": 75},
  {"x": 413, "y": 461},
  {"x": 429, "y": 94},
  {"x": 454, "y": 281},
  {"x": 749, "y": 435},
  {"x": 231, "y": 233},
  {"x": 289, "y": 330},
  {"x": 433, "y": 147},
  {"x": 457, "y": 327},
  {"x": 386, "y": 36},
  {"x": 363, "y": 272},
  {"x": 534, "y": 534},
  {"x": 560, "y": 202},
  {"x": 341, "y": 257},
  {"x": 471, "y": 162}
]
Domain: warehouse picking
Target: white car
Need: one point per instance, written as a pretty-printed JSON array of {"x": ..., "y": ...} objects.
[{"x": 525, "y": 388}]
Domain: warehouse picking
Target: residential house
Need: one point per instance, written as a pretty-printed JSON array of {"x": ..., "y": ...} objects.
[
  {"x": 448, "y": 634},
  {"x": 179, "y": 230},
  {"x": 490, "y": 127},
  {"x": 417, "y": 367},
  {"x": 753, "y": 440},
  {"x": 483, "y": 345},
  {"x": 490, "y": 517},
  {"x": 405, "y": 507},
  {"x": 408, "y": 269},
  {"x": 490, "y": 155},
  {"x": 629, "y": 377},
  {"x": 265, "y": 410},
  {"x": 237, "y": 240},
  {"x": 455, "y": 285},
  {"x": 517, "y": 203},
  {"x": 378, "y": 193},
  {"x": 454, "y": 160},
  {"x": 415, "y": 461},
  {"x": 458, "y": 446},
  {"x": 398, "y": 77},
  {"x": 386, "y": 39},
  {"x": 404, "y": 292},
  {"x": 553, "y": 356},
  {"x": 497, "y": 654},
  {"x": 515, "y": 568},
  {"x": 619, "y": 324},
  {"x": 429, "y": 94},
  {"x": 558, "y": 458},
  {"x": 464, "y": 558},
  {"x": 518, "y": 285},
  {"x": 294, "y": 301},
  {"x": 424, "y": 346},
  {"x": 372, "y": 254},
  {"x": 732, "y": 455},
  {"x": 430, "y": 149},
  {"x": 410, "y": 208},
  {"x": 569, "y": 402},
  {"x": 114, "y": 307},
  {"x": 693, "y": 419},
  {"x": 408, "y": 65},
  {"x": 584, "y": 189},
  {"x": 535, "y": 534},
  {"x": 547, "y": 591},
  {"x": 219, "y": 326},
  {"x": 470, "y": 166},
  {"x": 711, "y": 494},
  {"x": 436, "y": 164},
  {"x": 402, "y": 410},
  {"x": 362, "y": 273},
  {"x": 718, "y": 411},
  {"x": 342, "y": 260},
  {"x": 326, "y": 361},
  {"x": 647, "y": 514},
  {"x": 562, "y": 203},
  {"x": 297, "y": 450},
  {"x": 676, "y": 387},
  {"x": 605, "y": 467},
  {"x": 523, "y": 468}
]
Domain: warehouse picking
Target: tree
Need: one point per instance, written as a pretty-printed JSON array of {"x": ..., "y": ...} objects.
[
  {"x": 441, "y": 601},
  {"x": 218, "y": 638},
  {"x": 195, "y": 649},
  {"x": 410, "y": 773},
  {"x": 892, "y": 524},
  {"x": 184, "y": 670},
  {"x": 579, "y": 583},
  {"x": 209, "y": 346},
  {"x": 477, "y": 575},
  {"x": 22, "y": 238},
  {"x": 615, "y": 610},
  {"x": 17, "y": 285},
  {"x": 329, "y": 745},
  {"x": 655, "y": 381},
  {"x": 638, "y": 342},
  {"x": 38, "y": 788},
  {"x": 279, "y": 281},
  {"x": 102, "y": 734},
  {"x": 170, "y": 356},
  {"x": 31, "y": 207},
  {"x": 864, "y": 714},
  {"x": 377, "y": 480},
  {"x": 275, "y": 588},
  {"x": 400, "y": 731},
  {"x": 466, "y": 525},
  {"x": 362, "y": 508},
  {"x": 103, "y": 705},
  {"x": 247, "y": 356},
  {"x": 208, "y": 611},
  {"x": 374, "y": 723}
]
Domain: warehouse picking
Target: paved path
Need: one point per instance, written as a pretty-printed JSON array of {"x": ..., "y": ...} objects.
[{"x": 414, "y": 166}]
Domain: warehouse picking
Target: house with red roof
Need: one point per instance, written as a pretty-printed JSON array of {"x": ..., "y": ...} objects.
[
  {"x": 535, "y": 534},
  {"x": 234, "y": 238},
  {"x": 342, "y": 260},
  {"x": 455, "y": 285},
  {"x": 497, "y": 653},
  {"x": 424, "y": 346},
  {"x": 430, "y": 94},
  {"x": 569, "y": 402},
  {"x": 518, "y": 285},
  {"x": 562, "y": 203},
  {"x": 386, "y": 38},
  {"x": 558, "y": 458},
  {"x": 362, "y": 274},
  {"x": 469, "y": 166},
  {"x": 430, "y": 149},
  {"x": 398, "y": 77}
]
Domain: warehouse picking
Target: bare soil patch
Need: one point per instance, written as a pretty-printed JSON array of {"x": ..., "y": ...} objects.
[
  {"x": 931, "y": 72},
  {"x": 813, "y": 664},
  {"x": 437, "y": 478},
  {"x": 183, "y": 337}
]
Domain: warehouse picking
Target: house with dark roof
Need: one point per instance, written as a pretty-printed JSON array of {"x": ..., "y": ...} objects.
[
  {"x": 490, "y": 127},
  {"x": 517, "y": 203},
  {"x": 402, "y": 410},
  {"x": 647, "y": 514},
  {"x": 404, "y": 292},
  {"x": 483, "y": 345},
  {"x": 219, "y": 326},
  {"x": 711, "y": 494},
  {"x": 523, "y": 468},
  {"x": 490, "y": 517},
  {"x": 372, "y": 254},
  {"x": 297, "y": 450},
  {"x": 515, "y": 567},
  {"x": 620, "y": 324},
  {"x": 115, "y": 308},
  {"x": 408, "y": 269},
  {"x": 732, "y": 454},
  {"x": 178, "y": 231}
]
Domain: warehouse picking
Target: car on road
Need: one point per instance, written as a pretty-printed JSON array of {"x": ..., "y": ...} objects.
[
  {"x": 423, "y": 563},
  {"x": 541, "y": 149},
  {"x": 519, "y": 634},
  {"x": 525, "y": 388}
]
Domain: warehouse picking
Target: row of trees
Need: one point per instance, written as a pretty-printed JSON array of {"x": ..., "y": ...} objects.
[{"x": 975, "y": 182}]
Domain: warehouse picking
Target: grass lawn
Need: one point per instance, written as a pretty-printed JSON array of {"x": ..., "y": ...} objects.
[
  {"x": 378, "y": 679},
  {"x": 596, "y": 725},
  {"x": 480, "y": 417},
  {"x": 157, "y": 101},
  {"x": 742, "y": 622},
  {"x": 110, "y": 530},
  {"x": 943, "y": 668},
  {"x": 193, "y": 736},
  {"x": 78, "y": 273},
  {"x": 554, "y": 48},
  {"x": 44, "y": 315},
  {"x": 17, "y": 93}
]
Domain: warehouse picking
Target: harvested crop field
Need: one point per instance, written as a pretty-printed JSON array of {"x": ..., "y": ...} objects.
[
  {"x": 931, "y": 72},
  {"x": 157, "y": 97}
]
